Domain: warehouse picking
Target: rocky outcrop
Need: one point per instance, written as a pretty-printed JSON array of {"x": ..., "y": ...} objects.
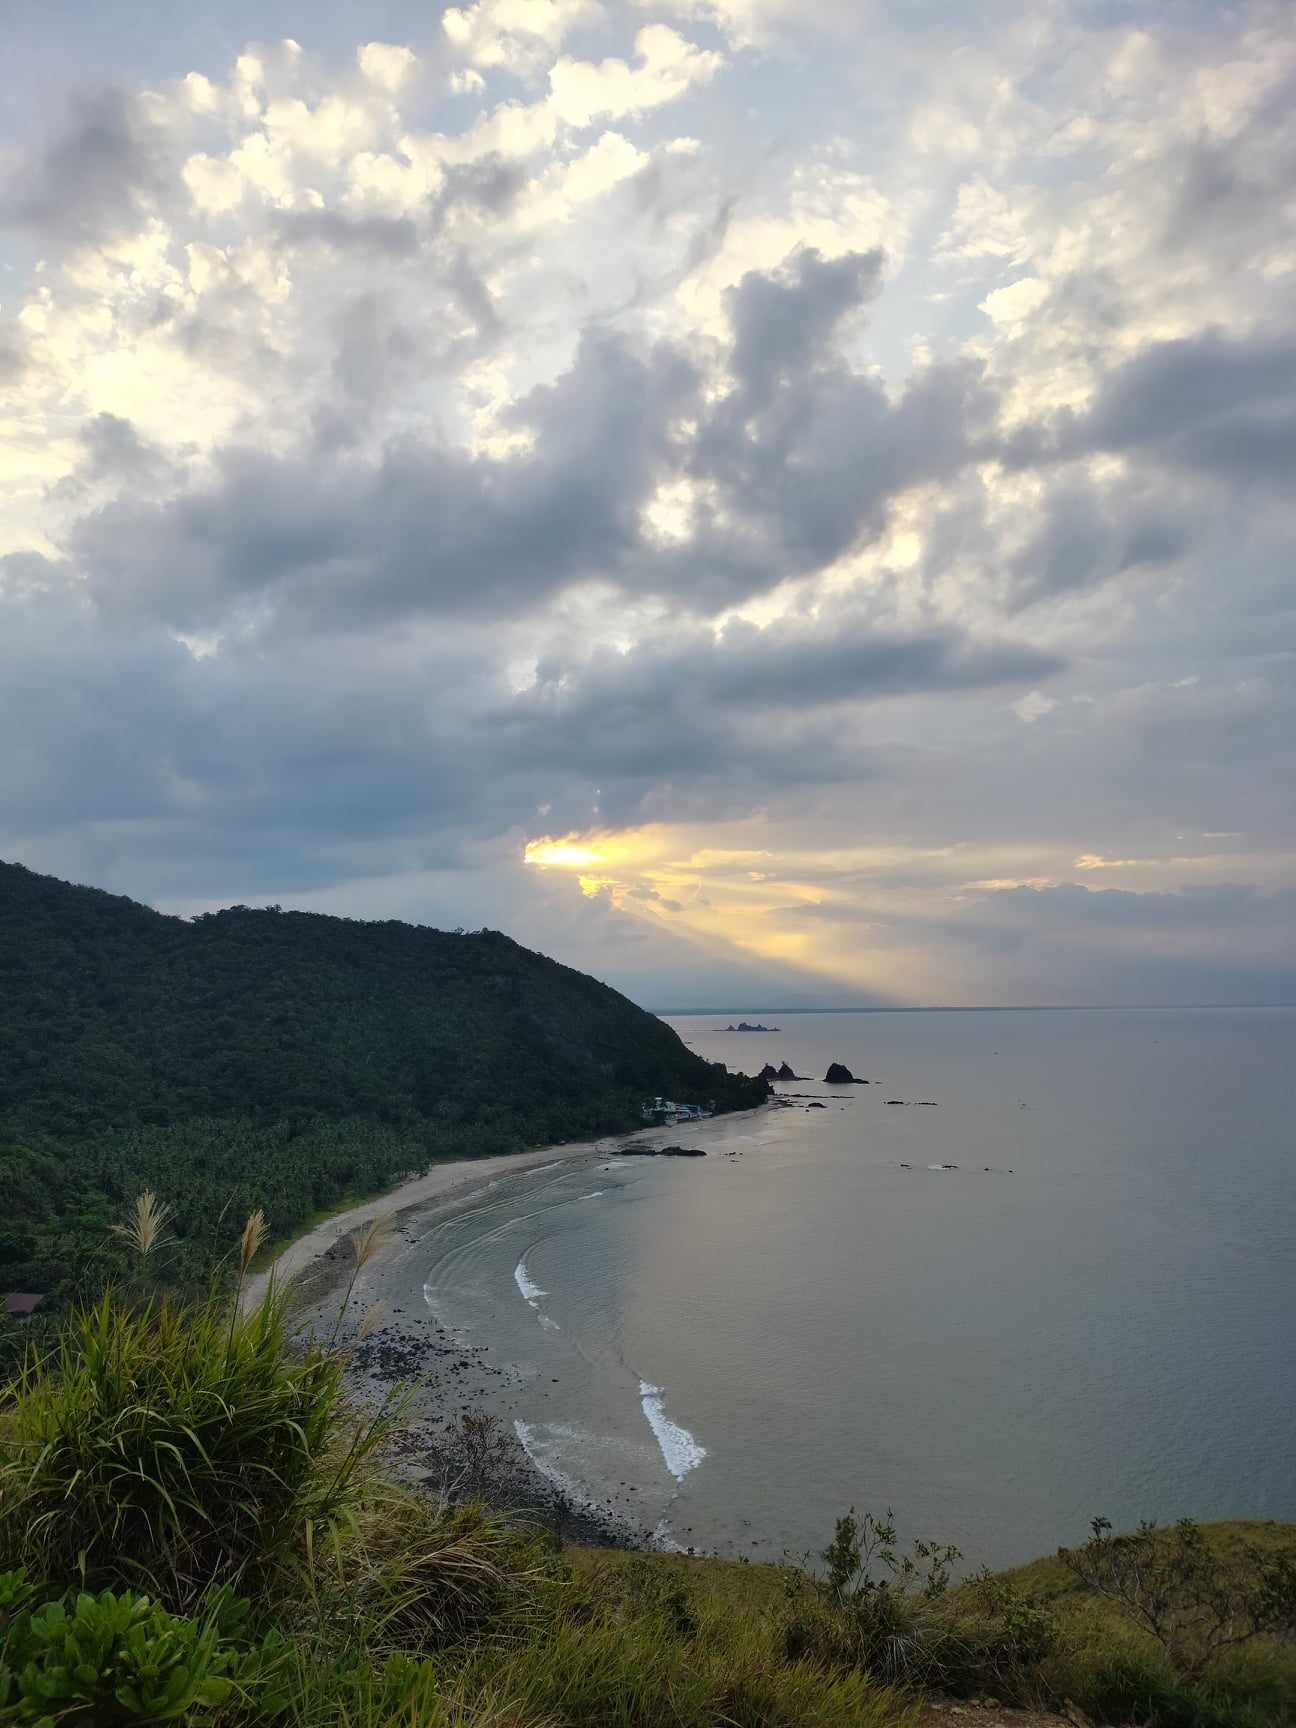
[
  {"x": 769, "y": 1072},
  {"x": 786, "y": 1073},
  {"x": 840, "y": 1075},
  {"x": 660, "y": 1152}
]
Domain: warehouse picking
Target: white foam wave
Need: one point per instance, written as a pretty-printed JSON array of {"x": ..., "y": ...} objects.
[
  {"x": 531, "y": 1292},
  {"x": 664, "y": 1540},
  {"x": 539, "y": 1169},
  {"x": 549, "y": 1325},
  {"x": 594, "y": 1194},
  {"x": 680, "y": 1451},
  {"x": 531, "y": 1446},
  {"x": 457, "y": 1333}
]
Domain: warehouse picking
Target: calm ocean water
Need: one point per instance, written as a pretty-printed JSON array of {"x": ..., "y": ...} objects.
[{"x": 1092, "y": 1314}]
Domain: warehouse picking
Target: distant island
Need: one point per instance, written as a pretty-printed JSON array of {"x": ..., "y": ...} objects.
[
  {"x": 283, "y": 1060},
  {"x": 744, "y": 1026}
]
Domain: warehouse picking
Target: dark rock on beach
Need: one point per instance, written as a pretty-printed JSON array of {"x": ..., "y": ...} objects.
[
  {"x": 769, "y": 1072},
  {"x": 786, "y": 1072},
  {"x": 660, "y": 1152}
]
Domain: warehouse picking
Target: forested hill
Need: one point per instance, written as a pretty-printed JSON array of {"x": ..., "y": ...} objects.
[{"x": 284, "y": 1059}]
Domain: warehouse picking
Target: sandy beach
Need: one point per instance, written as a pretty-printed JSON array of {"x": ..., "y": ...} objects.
[
  {"x": 442, "y": 1182},
  {"x": 401, "y": 1343},
  {"x": 448, "y": 1181}
]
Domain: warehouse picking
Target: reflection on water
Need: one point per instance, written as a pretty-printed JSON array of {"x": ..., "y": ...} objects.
[{"x": 1062, "y": 1291}]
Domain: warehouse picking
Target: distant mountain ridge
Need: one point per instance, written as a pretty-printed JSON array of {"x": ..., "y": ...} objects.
[{"x": 133, "y": 1037}]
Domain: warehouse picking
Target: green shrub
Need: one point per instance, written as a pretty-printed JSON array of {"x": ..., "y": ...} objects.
[
  {"x": 108, "y": 1659},
  {"x": 171, "y": 1448},
  {"x": 877, "y": 1609},
  {"x": 1194, "y": 1601}
]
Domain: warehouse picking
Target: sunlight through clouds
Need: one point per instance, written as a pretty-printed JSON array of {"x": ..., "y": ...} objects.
[{"x": 803, "y": 492}]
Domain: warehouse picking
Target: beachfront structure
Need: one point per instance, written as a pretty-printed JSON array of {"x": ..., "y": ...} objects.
[{"x": 666, "y": 1110}]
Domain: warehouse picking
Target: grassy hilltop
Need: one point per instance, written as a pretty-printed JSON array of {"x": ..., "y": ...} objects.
[
  {"x": 194, "y": 1529},
  {"x": 282, "y": 1060}
]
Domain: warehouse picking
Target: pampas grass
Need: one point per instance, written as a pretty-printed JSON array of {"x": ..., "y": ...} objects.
[{"x": 143, "y": 1228}]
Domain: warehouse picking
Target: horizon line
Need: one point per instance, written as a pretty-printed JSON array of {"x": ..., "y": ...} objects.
[{"x": 983, "y": 1008}]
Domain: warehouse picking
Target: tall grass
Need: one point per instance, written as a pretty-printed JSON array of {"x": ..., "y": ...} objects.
[
  {"x": 172, "y": 1446},
  {"x": 609, "y": 1662}
]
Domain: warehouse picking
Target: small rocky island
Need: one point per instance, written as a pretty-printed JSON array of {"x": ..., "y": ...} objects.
[
  {"x": 745, "y": 1026},
  {"x": 840, "y": 1075}
]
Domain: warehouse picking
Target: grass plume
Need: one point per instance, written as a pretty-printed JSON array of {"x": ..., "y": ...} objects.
[{"x": 144, "y": 1227}]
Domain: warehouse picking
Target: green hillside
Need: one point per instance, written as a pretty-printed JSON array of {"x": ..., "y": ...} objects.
[{"x": 282, "y": 1059}]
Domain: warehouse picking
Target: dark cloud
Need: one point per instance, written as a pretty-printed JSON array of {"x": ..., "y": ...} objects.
[
  {"x": 371, "y": 237},
  {"x": 784, "y": 321},
  {"x": 13, "y": 357},
  {"x": 98, "y": 178},
  {"x": 798, "y": 462},
  {"x": 487, "y": 186},
  {"x": 114, "y": 455},
  {"x": 806, "y": 454},
  {"x": 425, "y": 529},
  {"x": 1224, "y": 190},
  {"x": 1212, "y": 404},
  {"x": 843, "y": 659},
  {"x": 1088, "y": 535},
  {"x": 746, "y": 713}
]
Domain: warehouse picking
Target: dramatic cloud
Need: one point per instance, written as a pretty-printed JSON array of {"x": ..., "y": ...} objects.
[
  {"x": 797, "y": 502},
  {"x": 98, "y": 179}
]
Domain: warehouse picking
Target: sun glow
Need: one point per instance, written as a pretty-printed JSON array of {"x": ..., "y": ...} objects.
[{"x": 560, "y": 854}]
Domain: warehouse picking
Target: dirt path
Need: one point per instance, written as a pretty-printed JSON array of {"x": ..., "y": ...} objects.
[{"x": 945, "y": 1713}]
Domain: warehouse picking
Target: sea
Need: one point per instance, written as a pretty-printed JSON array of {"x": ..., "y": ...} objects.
[{"x": 1041, "y": 1268}]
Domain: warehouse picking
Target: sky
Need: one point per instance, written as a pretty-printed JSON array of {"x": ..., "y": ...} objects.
[{"x": 772, "y": 502}]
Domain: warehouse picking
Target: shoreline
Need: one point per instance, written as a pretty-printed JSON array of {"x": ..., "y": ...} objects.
[
  {"x": 447, "y": 1380},
  {"x": 442, "y": 1182}
]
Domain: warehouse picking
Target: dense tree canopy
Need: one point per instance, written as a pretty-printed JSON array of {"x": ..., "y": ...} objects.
[{"x": 282, "y": 1059}]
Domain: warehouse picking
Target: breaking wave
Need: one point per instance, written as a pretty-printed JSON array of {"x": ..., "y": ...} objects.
[{"x": 680, "y": 1451}]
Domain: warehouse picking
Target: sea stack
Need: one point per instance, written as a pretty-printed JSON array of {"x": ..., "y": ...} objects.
[{"x": 840, "y": 1075}]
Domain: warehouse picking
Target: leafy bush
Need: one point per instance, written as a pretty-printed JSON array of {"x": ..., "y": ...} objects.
[
  {"x": 108, "y": 1659},
  {"x": 877, "y": 1608},
  {"x": 998, "y": 1648},
  {"x": 173, "y": 1447},
  {"x": 1193, "y": 1601}
]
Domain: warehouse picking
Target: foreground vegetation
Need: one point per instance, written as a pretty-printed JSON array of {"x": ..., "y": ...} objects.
[
  {"x": 281, "y": 1060},
  {"x": 193, "y": 1528}
]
